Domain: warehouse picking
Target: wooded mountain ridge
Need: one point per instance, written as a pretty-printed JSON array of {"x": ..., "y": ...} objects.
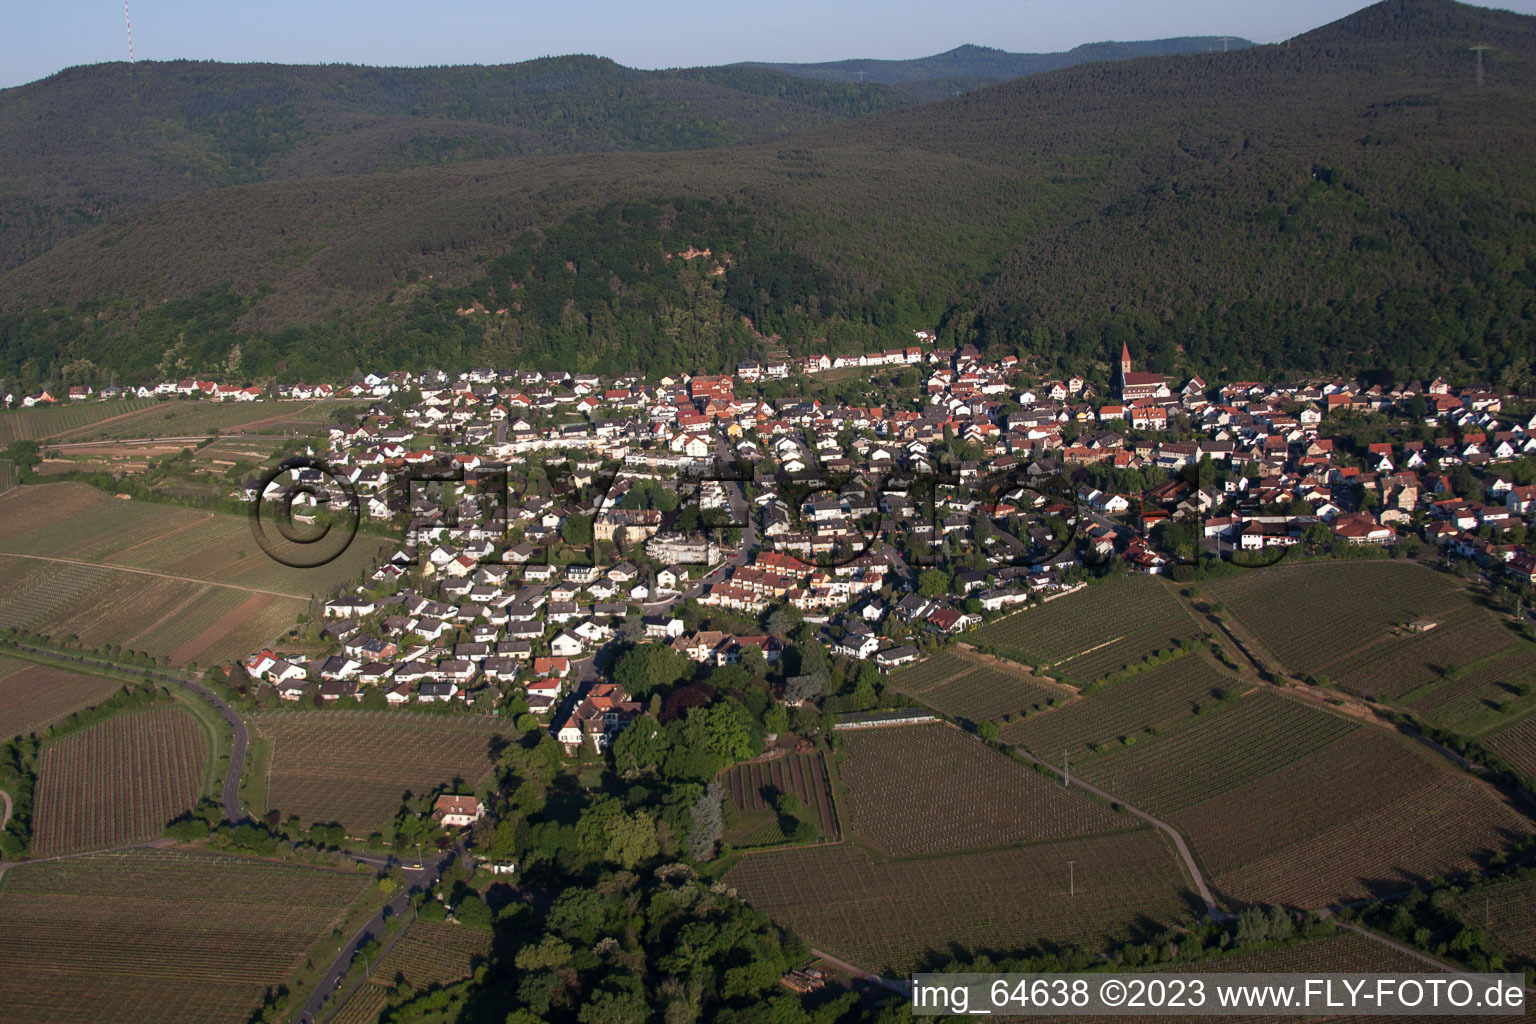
[{"x": 1352, "y": 199}]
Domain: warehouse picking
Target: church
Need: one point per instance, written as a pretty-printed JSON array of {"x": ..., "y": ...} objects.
[{"x": 1134, "y": 386}]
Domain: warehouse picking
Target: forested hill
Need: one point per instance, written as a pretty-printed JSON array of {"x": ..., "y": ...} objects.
[
  {"x": 971, "y": 67},
  {"x": 1350, "y": 199},
  {"x": 86, "y": 143}
]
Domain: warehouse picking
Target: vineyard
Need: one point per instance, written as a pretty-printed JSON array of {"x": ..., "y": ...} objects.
[
  {"x": 965, "y": 689},
  {"x": 1455, "y": 824},
  {"x": 895, "y": 916},
  {"x": 753, "y": 786},
  {"x": 353, "y": 766},
  {"x": 1096, "y": 630},
  {"x": 118, "y": 782},
  {"x": 1262, "y": 733},
  {"x": 1517, "y": 744},
  {"x": 932, "y": 788},
  {"x": 1508, "y": 909},
  {"x": 151, "y": 418},
  {"x": 429, "y": 953},
  {"x": 33, "y": 697},
  {"x": 1346, "y": 619},
  {"x": 176, "y": 938},
  {"x": 1483, "y": 698},
  {"x": 46, "y": 421},
  {"x": 1155, "y": 699}
]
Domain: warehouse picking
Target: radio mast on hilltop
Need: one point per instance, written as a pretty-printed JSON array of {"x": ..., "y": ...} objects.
[
  {"x": 1479, "y": 51},
  {"x": 128, "y": 25}
]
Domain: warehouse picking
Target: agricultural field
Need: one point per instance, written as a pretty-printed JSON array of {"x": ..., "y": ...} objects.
[
  {"x": 1487, "y": 697},
  {"x": 895, "y": 916},
  {"x": 33, "y": 697},
  {"x": 352, "y": 767},
  {"x": 40, "y": 423},
  {"x": 119, "y": 781},
  {"x": 1257, "y": 735},
  {"x": 1508, "y": 909},
  {"x": 187, "y": 418},
  {"x": 753, "y": 787},
  {"x": 429, "y": 953},
  {"x": 1517, "y": 744},
  {"x": 973, "y": 690},
  {"x": 1287, "y": 803},
  {"x": 1126, "y": 618},
  {"x": 173, "y": 937},
  {"x": 1156, "y": 699},
  {"x": 926, "y": 789},
  {"x": 177, "y": 583},
  {"x": 1346, "y": 620}
]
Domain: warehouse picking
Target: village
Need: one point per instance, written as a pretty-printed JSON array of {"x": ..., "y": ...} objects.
[{"x": 547, "y": 518}]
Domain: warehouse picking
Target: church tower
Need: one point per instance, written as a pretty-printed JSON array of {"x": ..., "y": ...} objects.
[{"x": 1125, "y": 361}]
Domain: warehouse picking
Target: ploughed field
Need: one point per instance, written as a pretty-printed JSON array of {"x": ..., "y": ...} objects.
[
  {"x": 178, "y": 583},
  {"x": 157, "y": 935},
  {"x": 33, "y": 696}
]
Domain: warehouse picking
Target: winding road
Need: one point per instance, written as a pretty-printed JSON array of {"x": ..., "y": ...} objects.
[{"x": 230, "y": 796}]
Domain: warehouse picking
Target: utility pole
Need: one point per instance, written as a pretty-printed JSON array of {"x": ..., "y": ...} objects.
[
  {"x": 1479, "y": 51},
  {"x": 1066, "y": 768}
]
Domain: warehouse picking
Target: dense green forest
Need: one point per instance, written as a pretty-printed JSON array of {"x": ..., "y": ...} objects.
[
  {"x": 89, "y": 142},
  {"x": 1352, "y": 200}
]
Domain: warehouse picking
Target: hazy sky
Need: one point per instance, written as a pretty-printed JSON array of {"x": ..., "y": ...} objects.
[{"x": 43, "y": 36}]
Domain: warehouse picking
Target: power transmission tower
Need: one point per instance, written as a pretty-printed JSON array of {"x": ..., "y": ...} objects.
[
  {"x": 1071, "y": 878},
  {"x": 1479, "y": 51},
  {"x": 1224, "y": 41},
  {"x": 861, "y": 74}
]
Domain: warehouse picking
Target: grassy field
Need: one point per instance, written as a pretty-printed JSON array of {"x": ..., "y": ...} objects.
[
  {"x": 177, "y": 583},
  {"x": 33, "y": 697},
  {"x": 1156, "y": 699},
  {"x": 931, "y": 788},
  {"x": 895, "y": 916},
  {"x": 176, "y": 938},
  {"x": 1096, "y": 630},
  {"x": 1346, "y": 620},
  {"x": 354, "y": 766},
  {"x": 119, "y": 781},
  {"x": 429, "y": 953},
  {"x": 753, "y": 787}
]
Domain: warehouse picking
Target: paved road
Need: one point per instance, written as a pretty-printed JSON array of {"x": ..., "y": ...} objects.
[
  {"x": 157, "y": 575},
  {"x": 1217, "y": 914},
  {"x": 231, "y": 791},
  {"x": 416, "y": 881}
]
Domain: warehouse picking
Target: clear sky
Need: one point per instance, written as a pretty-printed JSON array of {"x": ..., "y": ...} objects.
[{"x": 44, "y": 36}]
